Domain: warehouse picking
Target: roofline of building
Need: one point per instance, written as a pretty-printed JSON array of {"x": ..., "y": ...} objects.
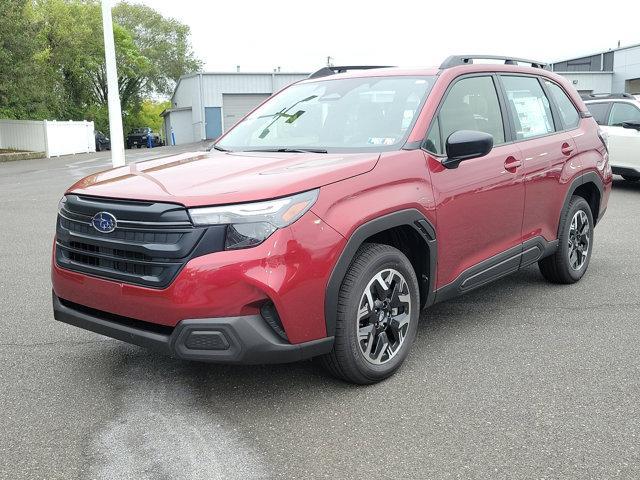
[
  {"x": 167, "y": 111},
  {"x": 597, "y": 53},
  {"x": 255, "y": 73},
  {"x": 583, "y": 72},
  {"x": 196, "y": 74}
]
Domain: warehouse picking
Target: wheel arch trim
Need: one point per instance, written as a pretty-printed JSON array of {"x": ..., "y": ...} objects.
[
  {"x": 577, "y": 182},
  {"x": 410, "y": 217}
]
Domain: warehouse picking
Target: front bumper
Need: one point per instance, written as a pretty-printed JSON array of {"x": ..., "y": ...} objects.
[
  {"x": 236, "y": 340},
  {"x": 290, "y": 269}
]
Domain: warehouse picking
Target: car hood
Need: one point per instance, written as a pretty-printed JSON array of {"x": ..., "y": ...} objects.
[{"x": 212, "y": 178}]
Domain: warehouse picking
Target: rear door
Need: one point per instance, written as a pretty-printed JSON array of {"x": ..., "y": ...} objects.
[
  {"x": 546, "y": 148},
  {"x": 479, "y": 204}
]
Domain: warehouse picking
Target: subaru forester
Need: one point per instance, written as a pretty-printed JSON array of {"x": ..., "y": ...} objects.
[{"x": 328, "y": 218}]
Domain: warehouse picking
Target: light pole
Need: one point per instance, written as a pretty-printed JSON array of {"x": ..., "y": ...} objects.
[{"x": 113, "y": 95}]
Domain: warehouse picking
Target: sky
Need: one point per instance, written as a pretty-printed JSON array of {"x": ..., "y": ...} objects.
[{"x": 297, "y": 36}]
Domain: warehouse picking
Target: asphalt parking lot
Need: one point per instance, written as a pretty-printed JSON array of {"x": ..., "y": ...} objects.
[{"x": 520, "y": 379}]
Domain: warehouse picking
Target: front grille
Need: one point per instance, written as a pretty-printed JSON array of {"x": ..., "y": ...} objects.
[{"x": 149, "y": 246}]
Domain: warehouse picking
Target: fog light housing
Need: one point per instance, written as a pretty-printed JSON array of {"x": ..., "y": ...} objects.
[{"x": 206, "y": 340}]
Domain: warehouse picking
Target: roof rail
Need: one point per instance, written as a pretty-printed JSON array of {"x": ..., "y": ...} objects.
[
  {"x": 326, "y": 71},
  {"x": 602, "y": 96},
  {"x": 455, "y": 60}
]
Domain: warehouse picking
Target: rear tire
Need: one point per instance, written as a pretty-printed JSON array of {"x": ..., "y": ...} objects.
[
  {"x": 378, "y": 310},
  {"x": 630, "y": 179},
  {"x": 571, "y": 260}
]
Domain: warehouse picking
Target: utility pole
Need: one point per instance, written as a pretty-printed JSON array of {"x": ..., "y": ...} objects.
[{"x": 113, "y": 94}]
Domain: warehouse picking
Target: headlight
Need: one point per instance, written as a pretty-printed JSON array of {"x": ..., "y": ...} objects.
[{"x": 250, "y": 224}]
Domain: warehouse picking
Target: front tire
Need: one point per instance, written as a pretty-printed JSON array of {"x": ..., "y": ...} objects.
[
  {"x": 378, "y": 311},
  {"x": 571, "y": 260}
]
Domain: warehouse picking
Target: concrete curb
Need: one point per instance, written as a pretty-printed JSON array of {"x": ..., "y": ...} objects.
[{"x": 13, "y": 156}]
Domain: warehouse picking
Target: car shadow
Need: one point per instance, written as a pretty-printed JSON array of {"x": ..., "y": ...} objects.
[
  {"x": 622, "y": 184},
  {"x": 278, "y": 380},
  {"x": 243, "y": 408}
]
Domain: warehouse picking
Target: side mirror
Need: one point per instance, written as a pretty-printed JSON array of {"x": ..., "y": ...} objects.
[
  {"x": 465, "y": 145},
  {"x": 633, "y": 125}
]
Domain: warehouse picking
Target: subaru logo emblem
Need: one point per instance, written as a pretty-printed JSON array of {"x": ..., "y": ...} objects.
[{"x": 104, "y": 222}]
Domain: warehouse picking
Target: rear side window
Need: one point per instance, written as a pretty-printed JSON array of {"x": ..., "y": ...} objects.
[
  {"x": 471, "y": 104},
  {"x": 623, "y": 112},
  {"x": 599, "y": 112},
  {"x": 568, "y": 112},
  {"x": 529, "y": 107}
]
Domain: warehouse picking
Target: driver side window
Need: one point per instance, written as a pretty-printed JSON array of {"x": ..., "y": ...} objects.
[{"x": 471, "y": 104}]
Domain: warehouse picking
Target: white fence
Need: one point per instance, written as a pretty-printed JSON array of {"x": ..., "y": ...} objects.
[{"x": 51, "y": 137}]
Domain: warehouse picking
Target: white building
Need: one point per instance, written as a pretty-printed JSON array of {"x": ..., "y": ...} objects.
[
  {"x": 613, "y": 71},
  {"x": 204, "y": 105}
]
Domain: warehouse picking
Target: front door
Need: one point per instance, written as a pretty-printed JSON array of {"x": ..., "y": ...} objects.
[{"x": 479, "y": 204}]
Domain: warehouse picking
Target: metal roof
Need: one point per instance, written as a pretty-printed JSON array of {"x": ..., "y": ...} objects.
[
  {"x": 196, "y": 74},
  {"x": 167, "y": 111},
  {"x": 636, "y": 45}
]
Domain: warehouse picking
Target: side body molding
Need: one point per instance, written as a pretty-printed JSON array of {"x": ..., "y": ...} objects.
[
  {"x": 517, "y": 257},
  {"x": 409, "y": 217}
]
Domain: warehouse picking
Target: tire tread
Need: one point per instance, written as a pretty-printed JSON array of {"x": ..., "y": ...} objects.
[
  {"x": 337, "y": 362},
  {"x": 554, "y": 268}
]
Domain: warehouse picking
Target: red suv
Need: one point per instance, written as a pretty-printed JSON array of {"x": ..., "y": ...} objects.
[{"x": 328, "y": 218}]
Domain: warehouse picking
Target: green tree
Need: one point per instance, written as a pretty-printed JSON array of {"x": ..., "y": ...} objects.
[
  {"x": 52, "y": 58},
  {"x": 69, "y": 32},
  {"x": 162, "y": 42},
  {"x": 148, "y": 115},
  {"x": 25, "y": 89}
]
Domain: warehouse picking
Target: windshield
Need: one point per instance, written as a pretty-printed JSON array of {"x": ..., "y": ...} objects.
[{"x": 350, "y": 114}]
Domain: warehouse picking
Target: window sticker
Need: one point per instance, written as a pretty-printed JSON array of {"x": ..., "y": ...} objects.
[
  {"x": 381, "y": 140},
  {"x": 532, "y": 116}
]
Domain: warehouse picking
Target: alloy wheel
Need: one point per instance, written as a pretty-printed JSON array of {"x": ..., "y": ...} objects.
[
  {"x": 383, "y": 317},
  {"x": 579, "y": 240}
]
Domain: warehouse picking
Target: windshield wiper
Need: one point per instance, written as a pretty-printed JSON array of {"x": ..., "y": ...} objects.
[
  {"x": 220, "y": 149},
  {"x": 289, "y": 150}
]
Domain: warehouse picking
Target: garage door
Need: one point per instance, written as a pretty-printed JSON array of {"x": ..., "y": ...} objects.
[
  {"x": 181, "y": 126},
  {"x": 236, "y": 106}
]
